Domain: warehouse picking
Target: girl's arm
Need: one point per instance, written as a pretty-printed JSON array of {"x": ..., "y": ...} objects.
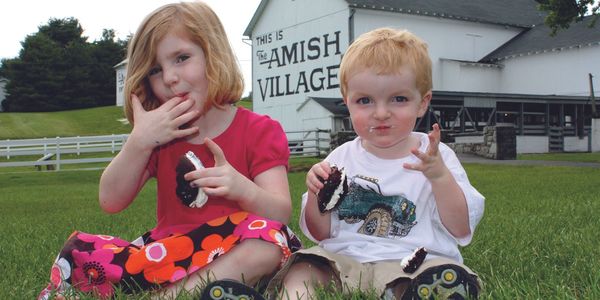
[{"x": 126, "y": 174}]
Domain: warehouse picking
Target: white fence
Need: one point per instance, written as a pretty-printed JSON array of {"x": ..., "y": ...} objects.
[{"x": 54, "y": 152}]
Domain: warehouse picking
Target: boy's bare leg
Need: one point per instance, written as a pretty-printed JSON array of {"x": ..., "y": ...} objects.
[{"x": 302, "y": 278}]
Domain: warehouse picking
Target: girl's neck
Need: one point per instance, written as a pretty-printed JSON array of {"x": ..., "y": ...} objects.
[{"x": 213, "y": 123}]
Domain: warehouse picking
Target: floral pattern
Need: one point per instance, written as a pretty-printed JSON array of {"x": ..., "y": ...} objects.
[
  {"x": 94, "y": 272},
  {"x": 101, "y": 262}
]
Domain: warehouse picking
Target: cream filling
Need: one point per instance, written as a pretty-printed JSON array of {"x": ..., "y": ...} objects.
[
  {"x": 406, "y": 260},
  {"x": 202, "y": 198},
  {"x": 336, "y": 194}
]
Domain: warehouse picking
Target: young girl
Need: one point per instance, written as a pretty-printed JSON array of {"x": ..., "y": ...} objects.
[{"x": 182, "y": 82}]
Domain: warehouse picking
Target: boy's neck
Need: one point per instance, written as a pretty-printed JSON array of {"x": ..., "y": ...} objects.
[{"x": 399, "y": 150}]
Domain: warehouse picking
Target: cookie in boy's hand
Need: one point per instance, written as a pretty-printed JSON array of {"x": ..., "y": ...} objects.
[
  {"x": 190, "y": 196},
  {"x": 334, "y": 191},
  {"x": 412, "y": 262}
]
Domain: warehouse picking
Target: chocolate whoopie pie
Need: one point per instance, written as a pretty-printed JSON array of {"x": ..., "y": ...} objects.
[
  {"x": 411, "y": 263},
  {"x": 190, "y": 196},
  {"x": 334, "y": 191}
]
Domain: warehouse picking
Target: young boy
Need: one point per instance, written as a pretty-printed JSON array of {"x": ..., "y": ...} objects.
[{"x": 406, "y": 190}]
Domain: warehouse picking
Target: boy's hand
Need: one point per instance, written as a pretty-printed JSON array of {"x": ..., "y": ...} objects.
[
  {"x": 431, "y": 165},
  {"x": 222, "y": 180},
  {"x": 322, "y": 170},
  {"x": 161, "y": 125}
]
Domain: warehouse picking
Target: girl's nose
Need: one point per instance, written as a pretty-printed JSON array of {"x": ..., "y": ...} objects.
[{"x": 170, "y": 77}]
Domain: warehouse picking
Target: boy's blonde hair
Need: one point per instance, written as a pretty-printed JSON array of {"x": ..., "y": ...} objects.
[
  {"x": 198, "y": 22},
  {"x": 385, "y": 50}
]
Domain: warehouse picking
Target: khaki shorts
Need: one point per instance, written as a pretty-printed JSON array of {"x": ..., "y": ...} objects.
[{"x": 353, "y": 275}]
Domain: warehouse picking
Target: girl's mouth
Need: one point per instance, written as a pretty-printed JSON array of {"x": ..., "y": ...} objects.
[{"x": 185, "y": 96}]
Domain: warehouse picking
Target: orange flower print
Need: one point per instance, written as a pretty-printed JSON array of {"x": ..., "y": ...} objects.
[
  {"x": 235, "y": 218},
  {"x": 157, "y": 259},
  {"x": 213, "y": 246}
]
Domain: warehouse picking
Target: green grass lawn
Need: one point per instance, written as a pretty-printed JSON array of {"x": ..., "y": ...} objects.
[
  {"x": 576, "y": 157},
  {"x": 539, "y": 237},
  {"x": 83, "y": 122}
]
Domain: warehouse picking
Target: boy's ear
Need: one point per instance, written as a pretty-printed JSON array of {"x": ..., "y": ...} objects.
[{"x": 425, "y": 100}]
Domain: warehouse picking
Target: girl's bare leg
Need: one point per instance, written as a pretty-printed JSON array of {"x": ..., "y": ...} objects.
[{"x": 247, "y": 262}]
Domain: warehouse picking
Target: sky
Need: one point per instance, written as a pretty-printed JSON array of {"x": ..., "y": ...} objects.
[{"x": 23, "y": 17}]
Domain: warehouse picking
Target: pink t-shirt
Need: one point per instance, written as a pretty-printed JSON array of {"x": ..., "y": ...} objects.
[{"x": 252, "y": 144}]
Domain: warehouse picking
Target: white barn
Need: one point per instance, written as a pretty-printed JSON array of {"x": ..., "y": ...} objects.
[
  {"x": 121, "y": 74},
  {"x": 493, "y": 62},
  {"x": 3, "y": 82}
]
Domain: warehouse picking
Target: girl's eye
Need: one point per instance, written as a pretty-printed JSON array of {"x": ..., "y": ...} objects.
[
  {"x": 182, "y": 58},
  {"x": 154, "y": 71},
  {"x": 400, "y": 99},
  {"x": 363, "y": 100}
]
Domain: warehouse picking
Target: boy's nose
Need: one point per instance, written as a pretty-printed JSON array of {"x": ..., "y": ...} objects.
[{"x": 381, "y": 112}]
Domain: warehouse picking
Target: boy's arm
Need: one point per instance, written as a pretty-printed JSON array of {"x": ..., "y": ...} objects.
[
  {"x": 318, "y": 224},
  {"x": 451, "y": 204},
  {"x": 449, "y": 197}
]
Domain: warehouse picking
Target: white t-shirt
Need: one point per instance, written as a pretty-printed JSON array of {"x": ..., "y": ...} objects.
[{"x": 389, "y": 210}]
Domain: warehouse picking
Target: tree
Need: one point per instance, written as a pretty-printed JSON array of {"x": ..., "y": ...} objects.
[
  {"x": 107, "y": 52},
  {"x": 561, "y": 13},
  {"x": 57, "y": 69}
]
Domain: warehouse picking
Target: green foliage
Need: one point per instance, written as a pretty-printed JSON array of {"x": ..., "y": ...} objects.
[
  {"x": 561, "y": 13},
  {"x": 57, "y": 69}
]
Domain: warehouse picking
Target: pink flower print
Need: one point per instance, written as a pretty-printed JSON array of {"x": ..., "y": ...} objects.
[
  {"x": 256, "y": 227},
  {"x": 94, "y": 272},
  {"x": 102, "y": 241}
]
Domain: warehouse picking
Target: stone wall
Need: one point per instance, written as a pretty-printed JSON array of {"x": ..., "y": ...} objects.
[{"x": 499, "y": 142}]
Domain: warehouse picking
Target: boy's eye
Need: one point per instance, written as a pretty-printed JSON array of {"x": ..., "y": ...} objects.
[
  {"x": 182, "y": 58},
  {"x": 154, "y": 71},
  {"x": 363, "y": 100},
  {"x": 400, "y": 99}
]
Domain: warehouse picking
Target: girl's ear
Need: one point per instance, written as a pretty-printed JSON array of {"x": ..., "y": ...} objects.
[{"x": 425, "y": 100}]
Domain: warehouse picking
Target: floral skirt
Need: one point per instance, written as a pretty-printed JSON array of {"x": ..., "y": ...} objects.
[{"x": 101, "y": 263}]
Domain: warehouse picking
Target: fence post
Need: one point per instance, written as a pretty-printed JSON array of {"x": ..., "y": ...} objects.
[
  {"x": 45, "y": 146},
  {"x": 57, "y": 153},
  {"x": 78, "y": 143},
  {"x": 7, "y": 149},
  {"x": 112, "y": 142}
]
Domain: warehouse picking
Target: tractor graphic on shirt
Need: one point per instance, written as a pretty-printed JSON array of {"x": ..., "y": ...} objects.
[{"x": 383, "y": 216}]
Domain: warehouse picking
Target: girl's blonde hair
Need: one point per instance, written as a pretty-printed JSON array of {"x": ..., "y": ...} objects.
[
  {"x": 198, "y": 22},
  {"x": 385, "y": 50}
]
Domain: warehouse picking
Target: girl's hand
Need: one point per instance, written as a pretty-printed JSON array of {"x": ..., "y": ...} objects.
[
  {"x": 432, "y": 164},
  {"x": 161, "y": 125},
  {"x": 222, "y": 180},
  {"x": 322, "y": 170}
]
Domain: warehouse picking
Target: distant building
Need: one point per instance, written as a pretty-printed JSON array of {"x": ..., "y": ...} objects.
[
  {"x": 3, "y": 82},
  {"x": 493, "y": 62},
  {"x": 121, "y": 73}
]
